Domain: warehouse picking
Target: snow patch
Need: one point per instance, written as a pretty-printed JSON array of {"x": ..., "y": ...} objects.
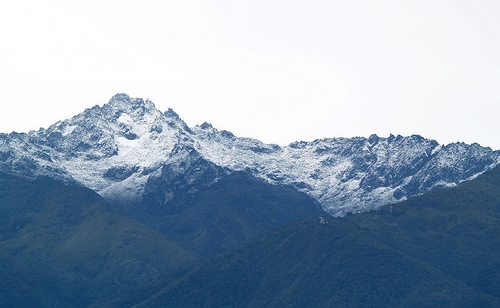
[
  {"x": 68, "y": 130},
  {"x": 125, "y": 118},
  {"x": 124, "y": 142}
]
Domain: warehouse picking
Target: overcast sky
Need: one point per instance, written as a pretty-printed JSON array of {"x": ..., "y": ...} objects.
[{"x": 278, "y": 71}]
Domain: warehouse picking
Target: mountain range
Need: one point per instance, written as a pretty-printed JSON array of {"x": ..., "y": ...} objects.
[
  {"x": 120, "y": 150},
  {"x": 124, "y": 205}
]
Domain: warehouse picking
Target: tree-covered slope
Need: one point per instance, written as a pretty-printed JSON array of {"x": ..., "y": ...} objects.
[
  {"x": 211, "y": 215},
  {"x": 436, "y": 250},
  {"x": 63, "y": 246}
]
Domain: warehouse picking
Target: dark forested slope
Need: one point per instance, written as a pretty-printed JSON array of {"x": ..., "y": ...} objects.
[
  {"x": 436, "y": 250},
  {"x": 65, "y": 246}
]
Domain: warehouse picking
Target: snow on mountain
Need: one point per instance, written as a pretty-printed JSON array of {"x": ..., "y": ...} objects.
[{"x": 115, "y": 149}]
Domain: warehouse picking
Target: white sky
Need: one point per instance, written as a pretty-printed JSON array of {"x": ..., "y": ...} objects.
[{"x": 278, "y": 71}]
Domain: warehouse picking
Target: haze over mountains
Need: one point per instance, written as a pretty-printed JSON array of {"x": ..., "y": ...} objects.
[{"x": 126, "y": 205}]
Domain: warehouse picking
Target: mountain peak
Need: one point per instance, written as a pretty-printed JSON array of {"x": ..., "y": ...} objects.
[
  {"x": 122, "y": 97},
  {"x": 206, "y": 125},
  {"x": 170, "y": 113},
  {"x": 124, "y": 103}
]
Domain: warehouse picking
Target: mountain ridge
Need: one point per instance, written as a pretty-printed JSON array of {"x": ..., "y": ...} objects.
[{"x": 117, "y": 148}]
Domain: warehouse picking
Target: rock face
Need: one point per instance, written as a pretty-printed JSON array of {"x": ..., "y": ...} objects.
[{"x": 128, "y": 147}]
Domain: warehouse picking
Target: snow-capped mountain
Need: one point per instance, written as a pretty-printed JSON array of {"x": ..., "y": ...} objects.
[{"x": 123, "y": 147}]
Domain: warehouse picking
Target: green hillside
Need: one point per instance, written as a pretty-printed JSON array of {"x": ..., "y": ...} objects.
[
  {"x": 64, "y": 246},
  {"x": 217, "y": 218},
  {"x": 440, "y": 249}
]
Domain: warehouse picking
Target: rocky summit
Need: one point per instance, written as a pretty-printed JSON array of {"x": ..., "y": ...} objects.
[{"x": 125, "y": 148}]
